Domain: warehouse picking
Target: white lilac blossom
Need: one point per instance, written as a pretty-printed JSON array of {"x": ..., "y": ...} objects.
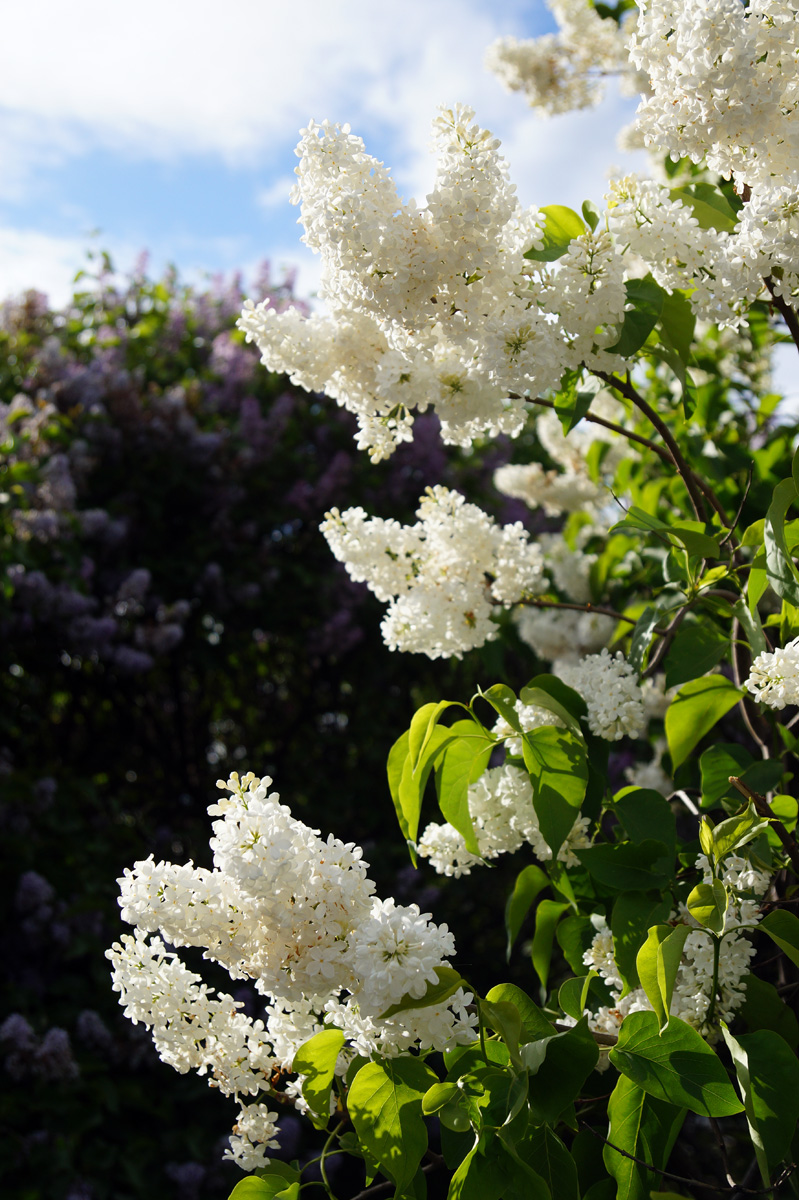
[
  {"x": 501, "y": 808},
  {"x": 436, "y": 305},
  {"x": 566, "y": 70},
  {"x": 610, "y": 689},
  {"x": 694, "y": 982},
  {"x": 723, "y": 85},
  {"x": 435, "y": 573},
  {"x": 774, "y": 676},
  {"x": 531, "y": 716},
  {"x": 294, "y": 913},
  {"x": 562, "y": 636}
]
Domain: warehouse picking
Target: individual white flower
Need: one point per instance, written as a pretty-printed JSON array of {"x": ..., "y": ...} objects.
[
  {"x": 395, "y": 952},
  {"x": 774, "y": 676}
]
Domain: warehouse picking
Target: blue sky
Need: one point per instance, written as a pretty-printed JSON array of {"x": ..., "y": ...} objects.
[{"x": 171, "y": 126}]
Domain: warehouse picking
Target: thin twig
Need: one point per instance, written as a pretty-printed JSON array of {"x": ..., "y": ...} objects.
[
  {"x": 626, "y": 389},
  {"x": 745, "y": 702},
  {"x": 595, "y": 420},
  {"x": 536, "y": 602},
  {"x": 380, "y": 1189},
  {"x": 668, "y": 637},
  {"x": 723, "y": 1151},
  {"x": 713, "y": 1187},
  {"x": 734, "y": 525}
]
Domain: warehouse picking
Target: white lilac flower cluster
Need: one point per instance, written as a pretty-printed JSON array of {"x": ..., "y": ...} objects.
[
  {"x": 570, "y": 489},
  {"x": 434, "y": 574},
  {"x": 723, "y": 85},
  {"x": 694, "y": 983},
  {"x": 611, "y": 691},
  {"x": 501, "y": 808},
  {"x": 295, "y": 914},
  {"x": 436, "y": 305},
  {"x": 774, "y": 676},
  {"x": 566, "y": 70}
]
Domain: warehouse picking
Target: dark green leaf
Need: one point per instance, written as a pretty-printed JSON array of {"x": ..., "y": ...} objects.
[
  {"x": 763, "y": 1008},
  {"x": 716, "y": 765},
  {"x": 570, "y": 1059},
  {"x": 529, "y": 882},
  {"x": 547, "y": 916},
  {"x": 534, "y": 1024},
  {"x": 558, "y": 768},
  {"x": 634, "y": 914},
  {"x": 644, "y": 1127},
  {"x": 645, "y": 814},
  {"x": 553, "y": 1162},
  {"x": 783, "y": 928},
  {"x": 697, "y": 648},
  {"x": 628, "y": 866},
  {"x": 676, "y": 1065},
  {"x": 646, "y": 300},
  {"x": 768, "y": 1076}
]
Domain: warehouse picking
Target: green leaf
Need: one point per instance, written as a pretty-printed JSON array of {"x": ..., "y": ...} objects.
[
  {"x": 783, "y": 929},
  {"x": 408, "y": 787},
  {"x": 317, "y": 1060},
  {"x": 558, "y": 768},
  {"x": 657, "y": 964},
  {"x": 503, "y": 700},
  {"x": 642, "y": 637},
  {"x": 573, "y": 994},
  {"x": 736, "y": 831},
  {"x": 437, "y": 1096},
  {"x": 707, "y": 904},
  {"x": 763, "y": 1008},
  {"x": 253, "y": 1188},
  {"x": 780, "y": 571},
  {"x": 575, "y": 934},
  {"x": 697, "y": 648},
  {"x": 628, "y": 866},
  {"x": 710, "y": 207},
  {"x": 645, "y": 814},
  {"x": 572, "y": 404},
  {"x": 634, "y": 914},
  {"x": 385, "y": 1106},
  {"x": 591, "y": 213},
  {"x": 570, "y": 1059},
  {"x": 646, "y": 298},
  {"x": 678, "y": 322},
  {"x": 505, "y": 1019},
  {"x": 448, "y": 983},
  {"x": 422, "y": 725},
  {"x": 547, "y": 916},
  {"x": 716, "y": 765},
  {"x": 752, "y": 627},
  {"x": 529, "y": 882},
  {"x": 534, "y": 1024},
  {"x": 563, "y": 225},
  {"x": 464, "y": 760},
  {"x": 676, "y": 1065},
  {"x": 695, "y": 710},
  {"x": 644, "y": 1127},
  {"x": 693, "y": 535},
  {"x": 547, "y": 691},
  {"x": 553, "y": 1162},
  {"x": 768, "y": 1076}
]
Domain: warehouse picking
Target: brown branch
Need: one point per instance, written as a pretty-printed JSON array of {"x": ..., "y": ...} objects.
[
  {"x": 785, "y": 310},
  {"x": 381, "y": 1189},
  {"x": 746, "y": 705},
  {"x": 732, "y": 527},
  {"x": 625, "y": 388},
  {"x": 535, "y": 602},
  {"x": 668, "y": 637},
  {"x": 595, "y": 420}
]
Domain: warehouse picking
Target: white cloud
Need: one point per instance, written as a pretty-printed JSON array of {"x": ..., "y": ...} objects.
[
  {"x": 29, "y": 259},
  {"x": 276, "y": 194}
]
